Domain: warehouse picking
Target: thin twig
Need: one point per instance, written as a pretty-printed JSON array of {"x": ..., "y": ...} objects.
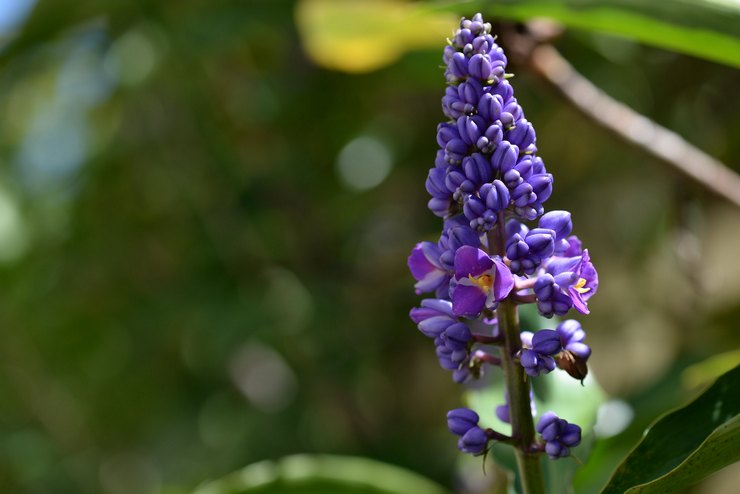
[{"x": 633, "y": 127}]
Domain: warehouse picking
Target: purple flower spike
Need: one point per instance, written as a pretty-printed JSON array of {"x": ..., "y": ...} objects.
[
  {"x": 490, "y": 187},
  {"x": 426, "y": 268},
  {"x": 482, "y": 281}
]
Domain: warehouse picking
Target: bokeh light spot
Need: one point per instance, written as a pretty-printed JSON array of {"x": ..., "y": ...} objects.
[
  {"x": 364, "y": 163},
  {"x": 612, "y": 418}
]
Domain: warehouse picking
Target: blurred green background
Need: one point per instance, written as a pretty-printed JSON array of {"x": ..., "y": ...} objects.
[{"x": 203, "y": 241}]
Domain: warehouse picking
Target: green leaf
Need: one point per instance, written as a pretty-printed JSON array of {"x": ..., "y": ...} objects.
[
  {"x": 321, "y": 474},
  {"x": 364, "y": 35},
  {"x": 685, "y": 445},
  {"x": 703, "y": 28}
]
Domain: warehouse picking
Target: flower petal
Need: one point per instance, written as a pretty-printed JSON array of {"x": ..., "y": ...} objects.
[
  {"x": 468, "y": 301},
  {"x": 419, "y": 263},
  {"x": 471, "y": 261},
  {"x": 503, "y": 280}
]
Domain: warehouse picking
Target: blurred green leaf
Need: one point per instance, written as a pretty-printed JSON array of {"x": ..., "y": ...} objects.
[
  {"x": 703, "y": 373},
  {"x": 366, "y": 35},
  {"x": 687, "y": 444},
  {"x": 703, "y": 28},
  {"x": 321, "y": 474}
]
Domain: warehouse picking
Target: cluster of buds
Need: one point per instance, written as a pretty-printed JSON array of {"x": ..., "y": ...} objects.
[{"x": 487, "y": 180}]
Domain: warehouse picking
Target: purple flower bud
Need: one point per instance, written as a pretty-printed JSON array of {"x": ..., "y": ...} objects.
[
  {"x": 453, "y": 239},
  {"x": 580, "y": 350},
  {"x": 541, "y": 242},
  {"x": 479, "y": 67},
  {"x": 490, "y": 106},
  {"x": 477, "y": 169},
  {"x": 504, "y": 157},
  {"x": 496, "y": 195},
  {"x": 458, "y": 66},
  {"x": 461, "y": 420},
  {"x": 440, "y": 207},
  {"x": 522, "y": 135},
  {"x": 516, "y": 247},
  {"x": 513, "y": 178},
  {"x": 491, "y": 138},
  {"x": 546, "y": 419},
  {"x": 461, "y": 374},
  {"x": 571, "y": 435},
  {"x": 541, "y": 186},
  {"x": 553, "y": 430},
  {"x": 458, "y": 184},
  {"x": 457, "y": 336},
  {"x": 546, "y": 342},
  {"x": 558, "y": 434},
  {"x": 511, "y": 113},
  {"x": 470, "y": 92},
  {"x": 503, "y": 89},
  {"x": 482, "y": 211},
  {"x": 474, "y": 441},
  {"x": 536, "y": 364},
  {"x": 444, "y": 356},
  {"x": 455, "y": 151},
  {"x": 445, "y": 133},
  {"x": 431, "y": 307},
  {"x": 435, "y": 184},
  {"x": 576, "y": 353},
  {"x": 555, "y": 450},
  {"x": 559, "y": 222},
  {"x": 470, "y": 128},
  {"x": 523, "y": 195},
  {"x": 530, "y": 211}
]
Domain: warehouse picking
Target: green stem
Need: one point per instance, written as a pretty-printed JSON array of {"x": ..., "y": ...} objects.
[{"x": 517, "y": 385}]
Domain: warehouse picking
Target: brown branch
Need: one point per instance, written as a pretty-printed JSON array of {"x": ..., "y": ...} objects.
[{"x": 638, "y": 130}]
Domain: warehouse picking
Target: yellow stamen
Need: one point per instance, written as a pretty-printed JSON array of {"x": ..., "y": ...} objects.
[
  {"x": 484, "y": 282},
  {"x": 579, "y": 286}
]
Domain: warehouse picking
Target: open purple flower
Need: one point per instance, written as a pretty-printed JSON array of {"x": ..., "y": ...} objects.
[
  {"x": 577, "y": 277},
  {"x": 426, "y": 268},
  {"x": 481, "y": 281}
]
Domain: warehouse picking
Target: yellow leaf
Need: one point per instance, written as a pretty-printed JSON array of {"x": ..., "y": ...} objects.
[{"x": 364, "y": 35}]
